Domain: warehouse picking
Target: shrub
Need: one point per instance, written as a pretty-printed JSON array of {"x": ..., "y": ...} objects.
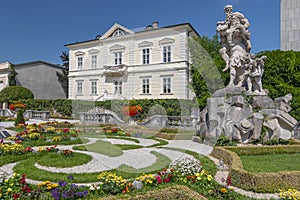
[
  {"x": 225, "y": 141},
  {"x": 20, "y": 118},
  {"x": 15, "y": 93},
  {"x": 169, "y": 130}
]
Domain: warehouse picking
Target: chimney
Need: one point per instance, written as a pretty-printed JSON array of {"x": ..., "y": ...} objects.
[{"x": 155, "y": 25}]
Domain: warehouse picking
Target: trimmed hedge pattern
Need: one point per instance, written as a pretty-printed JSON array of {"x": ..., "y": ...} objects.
[{"x": 258, "y": 182}]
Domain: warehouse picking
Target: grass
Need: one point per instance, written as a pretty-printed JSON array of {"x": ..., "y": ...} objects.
[
  {"x": 128, "y": 146},
  {"x": 271, "y": 162},
  {"x": 27, "y": 167},
  {"x": 61, "y": 161},
  {"x": 161, "y": 142},
  {"x": 102, "y": 147},
  {"x": 6, "y": 159}
]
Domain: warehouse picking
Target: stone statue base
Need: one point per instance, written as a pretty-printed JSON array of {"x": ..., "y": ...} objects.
[{"x": 245, "y": 118}]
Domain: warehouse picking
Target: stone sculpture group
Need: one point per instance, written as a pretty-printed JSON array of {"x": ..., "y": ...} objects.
[{"x": 241, "y": 109}]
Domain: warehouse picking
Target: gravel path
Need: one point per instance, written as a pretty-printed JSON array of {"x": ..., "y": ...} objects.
[{"x": 137, "y": 158}]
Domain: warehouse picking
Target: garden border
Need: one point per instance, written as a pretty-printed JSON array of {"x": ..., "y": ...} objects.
[{"x": 258, "y": 182}]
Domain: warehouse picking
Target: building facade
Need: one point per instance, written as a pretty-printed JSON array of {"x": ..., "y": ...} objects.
[
  {"x": 40, "y": 77},
  {"x": 4, "y": 73},
  {"x": 290, "y": 25},
  {"x": 127, "y": 64}
]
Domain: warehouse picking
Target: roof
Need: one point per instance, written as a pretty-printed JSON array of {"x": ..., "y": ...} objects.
[
  {"x": 159, "y": 28},
  {"x": 38, "y": 62}
]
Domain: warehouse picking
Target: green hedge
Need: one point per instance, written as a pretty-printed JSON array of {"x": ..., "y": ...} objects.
[
  {"x": 265, "y": 150},
  {"x": 258, "y": 182},
  {"x": 66, "y": 107}
]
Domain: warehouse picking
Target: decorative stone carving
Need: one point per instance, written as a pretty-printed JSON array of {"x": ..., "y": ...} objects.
[
  {"x": 242, "y": 110},
  {"x": 284, "y": 103},
  {"x": 245, "y": 70}
]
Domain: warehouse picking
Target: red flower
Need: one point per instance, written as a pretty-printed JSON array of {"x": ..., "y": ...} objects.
[
  {"x": 16, "y": 196},
  {"x": 132, "y": 111},
  {"x": 66, "y": 130},
  {"x": 158, "y": 179},
  {"x": 12, "y": 107},
  {"x": 228, "y": 181},
  {"x": 23, "y": 179},
  {"x": 167, "y": 180}
]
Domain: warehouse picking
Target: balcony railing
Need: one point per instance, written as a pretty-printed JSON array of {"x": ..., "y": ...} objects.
[{"x": 118, "y": 70}]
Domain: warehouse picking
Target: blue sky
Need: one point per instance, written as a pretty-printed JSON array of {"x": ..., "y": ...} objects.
[{"x": 38, "y": 29}]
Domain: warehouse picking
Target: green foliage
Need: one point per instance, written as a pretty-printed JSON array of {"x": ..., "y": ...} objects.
[
  {"x": 282, "y": 76},
  {"x": 20, "y": 118},
  {"x": 12, "y": 76},
  {"x": 157, "y": 110},
  {"x": 206, "y": 71},
  {"x": 225, "y": 141},
  {"x": 15, "y": 93},
  {"x": 63, "y": 75},
  {"x": 67, "y": 107},
  {"x": 169, "y": 130}
]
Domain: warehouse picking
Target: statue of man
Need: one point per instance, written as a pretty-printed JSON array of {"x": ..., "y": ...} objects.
[{"x": 235, "y": 41}]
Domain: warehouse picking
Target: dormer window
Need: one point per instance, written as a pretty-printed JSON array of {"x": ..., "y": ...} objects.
[{"x": 118, "y": 32}]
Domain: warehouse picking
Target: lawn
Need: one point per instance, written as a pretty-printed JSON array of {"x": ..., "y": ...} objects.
[{"x": 271, "y": 162}]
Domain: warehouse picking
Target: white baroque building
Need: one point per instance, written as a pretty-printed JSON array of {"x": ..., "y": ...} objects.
[{"x": 152, "y": 63}]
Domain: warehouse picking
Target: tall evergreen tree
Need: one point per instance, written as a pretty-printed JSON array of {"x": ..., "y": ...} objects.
[
  {"x": 12, "y": 76},
  {"x": 63, "y": 75}
]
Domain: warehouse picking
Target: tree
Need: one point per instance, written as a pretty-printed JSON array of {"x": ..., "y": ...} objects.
[
  {"x": 15, "y": 93},
  {"x": 206, "y": 70},
  {"x": 12, "y": 76},
  {"x": 63, "y": 75},
  {"x": 282, "y": 76}
]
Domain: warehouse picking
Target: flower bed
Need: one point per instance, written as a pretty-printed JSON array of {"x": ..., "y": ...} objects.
[{"x": 111, "y": 183}]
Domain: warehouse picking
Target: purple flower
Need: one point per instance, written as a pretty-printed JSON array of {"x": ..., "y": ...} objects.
[
  {"x": 74, "y": 186},
  {"x": 79, "y": 194},
  {"x": 55, "y": 193},
  {"x": 62, "y": 183},
  {"x": 70, "y": 177},
  {"x": 65, "y": 194}
]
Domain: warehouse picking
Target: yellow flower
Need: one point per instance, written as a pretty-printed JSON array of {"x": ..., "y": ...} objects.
[
  {"x": 9, "y": 190},
  {"x": 6, "y": 180},
  {"x": 209, "y": 177},
  {"x": 49, "y": 187},
  {"x": 223, "y": 190}
]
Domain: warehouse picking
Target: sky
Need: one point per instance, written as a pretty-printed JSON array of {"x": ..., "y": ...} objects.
[{"x": 34, "y": 30}]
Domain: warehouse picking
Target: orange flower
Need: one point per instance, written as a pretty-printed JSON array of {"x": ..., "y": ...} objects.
[{"x": 223, "y": 190}]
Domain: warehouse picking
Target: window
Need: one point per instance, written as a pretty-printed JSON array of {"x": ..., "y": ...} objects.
[
  {"x": 166, "y": 85},
  {"x": 94, "y": 88},
  {"x": 118, "y": 87},
  {"x": 79, "y": 87},
  {"x": 118, "y": 33},
  {"x": 146, "y": 56},
  {"x": 118, "y": 58},
  {"x": 166, "y": 54},
  {"x": 145, "y": 86},
  {"x": 79, "y": 62},
  {"x": 94, "y": 61}
]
